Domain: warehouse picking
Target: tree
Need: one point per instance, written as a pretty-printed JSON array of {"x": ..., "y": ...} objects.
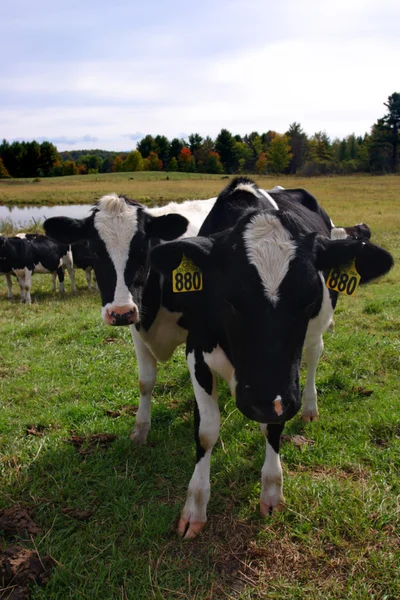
[
  {"x": 117, "y": 165},
  {"x": 213, "y": 163},
  {"x": 146, "y": 145},
  {"x": 48, "y": 158},
  {"x": 279, "y": 154},
  {"x": 134, "y": 161},
  {"x": 186, "y": 161},
  {"x": 69, "y": 168},
  {"x": 163, "y": 149},
  {"x": 225, "y": 145},
  {"x": 152, "y": 162},
  {"x": 176, "y": 147},
  {"x": 173, "y": 164},
  {"x": 298, "y": 146},
  {"x": 392, "y": 123},
  {"x": 4, "y": 174},
  {"x": 262, "y": 164}
]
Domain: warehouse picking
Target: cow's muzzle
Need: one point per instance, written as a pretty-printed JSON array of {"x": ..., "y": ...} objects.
[{"x": 128, "y": 317}]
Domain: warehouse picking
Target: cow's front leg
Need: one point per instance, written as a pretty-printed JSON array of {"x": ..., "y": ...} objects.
[
  {"x": 206, "y": 431},
  {"x": 147, "y": 367},
  {"x": 271, "y": 474},
  {"x": 312, "y": 353}
]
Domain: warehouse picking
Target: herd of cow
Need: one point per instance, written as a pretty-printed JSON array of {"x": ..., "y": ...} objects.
[{"x": 249, "y": 280}]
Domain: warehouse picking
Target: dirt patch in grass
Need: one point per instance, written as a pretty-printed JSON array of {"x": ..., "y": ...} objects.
[
  {"x": 18, "y": 520},
  {"x": 129, "y": 409},
  {"x": 297, "y": 440},
  {"x": 86, "y": 444},
  {"x": 20, "y": 567},
  {"x": 78, "y": 514}
]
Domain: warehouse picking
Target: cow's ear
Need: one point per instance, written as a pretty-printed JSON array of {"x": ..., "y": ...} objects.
[
  {"x": 66, "y": 230},
  {"x": 371, "y": 261},
  {"x": 167, "y": 257},
  {"x": 167, "y": 227}
]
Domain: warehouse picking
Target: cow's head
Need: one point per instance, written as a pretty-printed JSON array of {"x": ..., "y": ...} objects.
[
  {"x": 262, "y": 285},
  {"x": 120, "y": 232}
]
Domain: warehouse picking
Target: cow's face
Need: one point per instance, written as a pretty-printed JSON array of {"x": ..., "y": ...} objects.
[
  {"x": 120, "y": 233},
  {"x": 271, "y": 289},
  {"x": 262, "y": 285}
]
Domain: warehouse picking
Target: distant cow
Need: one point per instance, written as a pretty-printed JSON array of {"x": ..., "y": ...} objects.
[
  {"x": 25, "y": 254},
  {"x": 248, "y": 293},
  {"x": 82, "y": 258}
]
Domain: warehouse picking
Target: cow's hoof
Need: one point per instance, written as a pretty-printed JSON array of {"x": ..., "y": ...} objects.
[
  {"x": 267, "y": 508},
  {"x": 190, "y": 531},
  {"x": 308, "y": 416},
  {"x": 140, "y": 433}
]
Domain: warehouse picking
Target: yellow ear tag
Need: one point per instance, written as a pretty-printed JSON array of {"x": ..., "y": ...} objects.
[
  {"x": 187, "y": 277},
  {"x": 344, "y": 279}
]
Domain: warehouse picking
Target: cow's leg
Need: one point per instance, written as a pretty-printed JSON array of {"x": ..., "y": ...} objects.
[
  {"x": 27, "y": 284},
  {"x": 53, "y": 280},
  {"x": 9, "y": 285},
  {"x": 147, "y": 366},
  {"x": 60, "y": 274},
  {"x": 88, "y": 273},
  {"x": 313, "y": 348},
  {"x": 71, "y": 274},
  {"x": 312, "y": 353},
  {"x": 271, "y": 474},
  {"x": 206, "y": 423}
]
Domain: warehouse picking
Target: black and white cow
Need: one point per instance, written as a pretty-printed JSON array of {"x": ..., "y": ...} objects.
[
  {"x": 82, "y": 259},
  {"x": 263, "y": 299},
  {"x": 24, "y": 254}
]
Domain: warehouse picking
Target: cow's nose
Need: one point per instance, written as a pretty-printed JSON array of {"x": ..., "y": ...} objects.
[{"x": 122, "y": 315}]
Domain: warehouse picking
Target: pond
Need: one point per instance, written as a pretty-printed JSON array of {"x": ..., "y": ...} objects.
[{"x": 22, "y": 216}]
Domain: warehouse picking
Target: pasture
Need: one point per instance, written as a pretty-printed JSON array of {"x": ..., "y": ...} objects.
[{"x": 107, "y": 510}]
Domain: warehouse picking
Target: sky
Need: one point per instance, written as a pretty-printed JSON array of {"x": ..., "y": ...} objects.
[{"x": 101, "y": 74}]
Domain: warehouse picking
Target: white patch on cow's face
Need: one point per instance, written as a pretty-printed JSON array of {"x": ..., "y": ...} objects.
[
  {"x": 247, "y": 187},
  {"x": 116, "y": 224},
  {"x": 270, "y": 249}
]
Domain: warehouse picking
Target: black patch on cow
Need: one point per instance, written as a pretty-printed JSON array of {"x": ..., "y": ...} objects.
[
  {"x": 202, "y": 372},
  {"x": 274, "y": 435},
  {"x": 200, "y": 451}
]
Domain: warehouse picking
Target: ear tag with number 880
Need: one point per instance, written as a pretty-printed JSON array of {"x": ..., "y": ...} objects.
[
  {"x": 187, "y": 277},
  {"x": 344, "y": 279}
]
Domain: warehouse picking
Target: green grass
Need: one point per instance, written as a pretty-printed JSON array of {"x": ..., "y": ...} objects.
[{"x": 62, "y": 369}]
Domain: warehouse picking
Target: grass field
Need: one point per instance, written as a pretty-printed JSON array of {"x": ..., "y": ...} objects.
[{"x": 63, "y": 374}]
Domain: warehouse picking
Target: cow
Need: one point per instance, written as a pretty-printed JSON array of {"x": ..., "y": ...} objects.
[
  {"x": 82, "y": 259},
  {"x": 24, "y": 254},
  {"x": 262, "y": 256}
]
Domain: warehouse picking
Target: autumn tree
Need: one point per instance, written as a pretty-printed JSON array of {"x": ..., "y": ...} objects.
[
  {"x": 262, "y": 164},
  {"x": 213, "y": 163},
  {"x": 117, "y": 165},
  {"x": 152, "y": 162},
  {"x": 279, "y": 154},
  {"x": 186, "y": 161}
]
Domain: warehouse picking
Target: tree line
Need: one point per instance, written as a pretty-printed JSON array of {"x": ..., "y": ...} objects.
[{"x": 262, "y": 153}]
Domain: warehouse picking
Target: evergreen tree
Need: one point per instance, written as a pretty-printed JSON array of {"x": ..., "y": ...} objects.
[
  {"x": 298, "y": 146},
  {"x": 225, "y": 145},
  {"x": 146, "y": 145},
  {"x": 392, "y": 123},
  {"x": 4, "y": 174}
]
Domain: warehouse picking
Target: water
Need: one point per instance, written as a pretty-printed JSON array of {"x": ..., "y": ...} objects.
[{"x": 23, "y": 216}]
